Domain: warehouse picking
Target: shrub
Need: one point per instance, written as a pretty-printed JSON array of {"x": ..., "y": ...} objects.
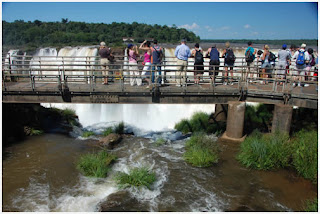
[
  {"x": 119, "y": 129},
  {"x": 183, "y": 126},
  {"x": 87, "y": 133},
  {"x": 34, "y": 132},
  {"x": 199, "y": 122},
  {"x": 312, "y": 205},
  {"x": 265, "y": 151},
  {"x": 107, "y": 131},
  {"x": 95, "y": 165},
  {"x": 305, "y": 154},
  {"x": 201, "y": 151},
  {"x": 137, "y": 177}
]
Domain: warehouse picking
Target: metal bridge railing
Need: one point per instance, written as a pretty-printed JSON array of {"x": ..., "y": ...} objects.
[{"x": 75, "y": 70}]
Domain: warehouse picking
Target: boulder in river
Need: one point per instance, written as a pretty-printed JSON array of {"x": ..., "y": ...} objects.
[
  {"x": 110, "y": 140},
  {"x": 120, "y": 201}
]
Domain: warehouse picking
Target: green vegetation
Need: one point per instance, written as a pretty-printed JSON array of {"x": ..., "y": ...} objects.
[
  {"x": 137, "y": 177},
  {"x": 87, "y": 133},
  {"x": 265, "y": 152},
  {"x": 201, "y": 151},
  {"x": 312, "y": 205},
  {"x": 119, "y": 129},
  {"x": 297, "y": 42},
  {"x": 67, "y": 114},
  {"x": 271, "y": 151},
  {"x": 34, "y": 132},
  {"x": 305, "y": 154},
  {"x": 95, "y": 165},
  {"x": 304, "y": 118},
  {"x": 70, "y": 33},
  {"x": 200, "y": 122},
  {"x": 107, "y": 131},
  {"x": 160, "y": 142},
  {"x": 258, "y": 118}
]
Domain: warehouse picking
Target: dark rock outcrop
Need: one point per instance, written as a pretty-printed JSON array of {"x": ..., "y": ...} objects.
[
  {"x": 119, "y": 202},
  {"x": 18, "y": 118},
  {"x": 110, "y": 141}
]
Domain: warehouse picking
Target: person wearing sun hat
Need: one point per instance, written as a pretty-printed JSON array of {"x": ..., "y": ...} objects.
[
  {"x": 302, "y": 58},
  {"x": 105, "y": 54}
]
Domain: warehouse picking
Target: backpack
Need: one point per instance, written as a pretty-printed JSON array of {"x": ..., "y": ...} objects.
[
  {"x": 156, "y": 55},
  {"x": 198, "y": 58},
  {"x": 313, "y": 61},
  {"x": 272, "y": 57},
  {"x": 229, "y": 57},
  {"x": 214, "y": 54},
  {"x": 249, "y": 56},
  {"x": 300, "y": 59}
]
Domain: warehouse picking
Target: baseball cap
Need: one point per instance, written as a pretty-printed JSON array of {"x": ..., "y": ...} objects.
[
  {"x": 130, "y": 45},
  {"x": 303, "y": 45},
  {"x": 102, "y": 44},
  {"x": 183, "y": 40},
  {"x": 284, "y": 46}
]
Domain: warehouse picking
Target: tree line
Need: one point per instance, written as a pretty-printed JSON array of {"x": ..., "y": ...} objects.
[
  {"x": 297, "y": 42},
  {"x": 38, "y": 33}
]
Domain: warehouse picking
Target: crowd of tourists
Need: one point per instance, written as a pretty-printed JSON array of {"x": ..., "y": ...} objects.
[{"x": 262, "y": 64}]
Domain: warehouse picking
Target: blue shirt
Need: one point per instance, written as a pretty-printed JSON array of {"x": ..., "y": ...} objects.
[
  {"x": 182, "y": 52},
  {"x": 251, "y": 51}
]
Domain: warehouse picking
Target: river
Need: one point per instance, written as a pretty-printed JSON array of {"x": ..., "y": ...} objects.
[{"x": 39, "y": 174}]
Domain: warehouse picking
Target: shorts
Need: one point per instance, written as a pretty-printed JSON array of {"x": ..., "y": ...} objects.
[
  {"x": 214, "y": 62},
  {"x": 266, "y": 65},
  {"x": 146, "y": 70},
  {"x": 198, "y": 69},
  {"x": 105, "y": 65}
]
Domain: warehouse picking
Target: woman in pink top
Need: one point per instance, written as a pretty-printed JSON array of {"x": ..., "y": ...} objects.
[
  {"x": 132, "y": 53},
  {"x": 147, "y": 61}
]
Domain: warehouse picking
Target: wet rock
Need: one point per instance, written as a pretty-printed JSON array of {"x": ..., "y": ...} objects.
[
  {"x": 120, "y": 201},
  {"x": 110, "y": 141}
]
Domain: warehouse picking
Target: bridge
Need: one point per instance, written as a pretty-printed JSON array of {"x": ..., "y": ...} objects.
[{"x": 70, "y": 80}]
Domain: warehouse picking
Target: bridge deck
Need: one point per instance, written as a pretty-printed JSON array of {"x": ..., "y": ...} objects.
[{"x": 124, "y": 93}]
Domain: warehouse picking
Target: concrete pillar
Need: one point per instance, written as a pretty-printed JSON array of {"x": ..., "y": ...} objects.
[
  {"x": 235, "y": 119},
  {"x": 282, "y": 116},
  {"x": 221, "y": 112}
]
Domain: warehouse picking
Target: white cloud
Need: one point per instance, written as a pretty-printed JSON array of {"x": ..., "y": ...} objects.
[
  {"x": 209, "y": 28},
  {"x": 225, "y": 28},
  {"x": 247, "y": 26},
  {"x": 194, "y": 26}
]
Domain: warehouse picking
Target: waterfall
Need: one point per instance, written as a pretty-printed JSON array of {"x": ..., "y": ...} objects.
[{"x": 149, "y": 117}]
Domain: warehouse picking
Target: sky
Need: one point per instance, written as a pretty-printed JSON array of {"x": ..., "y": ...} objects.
[{"x": 209, "y": 20}]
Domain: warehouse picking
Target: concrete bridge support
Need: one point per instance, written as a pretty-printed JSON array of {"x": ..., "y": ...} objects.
[
  {"x": 282, "y": 116},
  {"x": 235, "y": 120}
]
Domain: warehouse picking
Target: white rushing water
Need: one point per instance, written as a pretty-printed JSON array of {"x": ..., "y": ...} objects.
[{"x": 151, "y": 117}]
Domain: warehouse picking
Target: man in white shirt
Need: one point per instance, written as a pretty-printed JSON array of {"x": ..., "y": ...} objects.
[{"x": 303, "y": 58}]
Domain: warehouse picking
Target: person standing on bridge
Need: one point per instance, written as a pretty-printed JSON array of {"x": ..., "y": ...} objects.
[
  {"x": 132, "y": 53},
  {"x": 105, "y": 56},
  {"x": 302, "y": 59},
  {"x": 146, "y": 61},
  {"x": 182, "y": 52},
  {"x": 156, "y": 57},
  {"x": 283, "y": 60},
  {"x": 197, "y": 53},
  {"x": 249, "y": 57},
  {"x": 229, "y": 59},
  {"x": 214, "y": 62}
]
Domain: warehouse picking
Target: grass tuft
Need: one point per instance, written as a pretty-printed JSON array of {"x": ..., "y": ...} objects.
[
  {"x": 119, "y": 129},
  {"x": 95, "y": 165},
  {"x": 160, "y": 142},
  {"x": 201, "y": 151},
  {"x": 107, "y": 131},
  {"x": 137, "y": 177},
  {"x": 35, "y": 132},
  {"x": 305, "y": 154},
  {"x": 312, "y": 205},
  {"x": 87, "y": 133},
  {"x": 265, "y": 151}
]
